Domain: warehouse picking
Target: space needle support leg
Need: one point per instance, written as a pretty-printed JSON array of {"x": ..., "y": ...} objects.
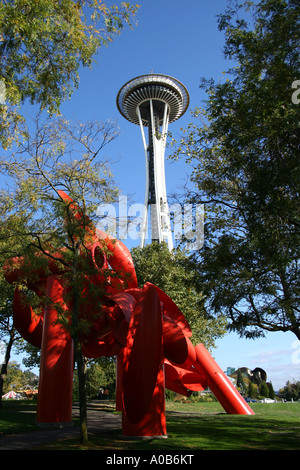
[
  {"x": 165, "y": 217},
  {"x": 162, "y": 210},
  {"x": 145, "y": 214}
]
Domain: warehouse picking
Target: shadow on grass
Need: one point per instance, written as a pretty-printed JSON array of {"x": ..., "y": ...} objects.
[
  {"x": 198, "y": 432},
  {"x": 228, "y": 432},
  {"x": 273, "y": 427},
  {"x": 17, "y": 417}
]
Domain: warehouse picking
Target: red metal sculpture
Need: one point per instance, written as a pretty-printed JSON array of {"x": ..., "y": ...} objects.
[{"x": 142, "y": 327}]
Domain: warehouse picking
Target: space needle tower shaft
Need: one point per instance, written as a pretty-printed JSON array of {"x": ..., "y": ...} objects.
[{"x": 153, "y": 101}]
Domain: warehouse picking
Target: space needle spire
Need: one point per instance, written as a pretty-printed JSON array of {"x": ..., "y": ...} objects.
[{"x": 153, "y": 101}]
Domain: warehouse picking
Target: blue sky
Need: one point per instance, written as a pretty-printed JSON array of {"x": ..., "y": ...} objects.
[{"x": 180, "y": 39}]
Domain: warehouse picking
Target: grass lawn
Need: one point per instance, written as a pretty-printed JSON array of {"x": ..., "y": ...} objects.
[
  {"x": 190, "y": 427},
  {"x": 17, "y": 416}
]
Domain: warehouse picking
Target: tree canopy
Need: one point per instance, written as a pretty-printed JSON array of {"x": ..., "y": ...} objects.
[
  {"x": 174, "y": 273},
  {"x": 43, "y": 44},
  {"x": 243, "y": 148},
  {"x": 55, "y": 155}
]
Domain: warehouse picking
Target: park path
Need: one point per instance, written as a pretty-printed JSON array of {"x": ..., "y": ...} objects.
[{"x": 98, "y": 422}]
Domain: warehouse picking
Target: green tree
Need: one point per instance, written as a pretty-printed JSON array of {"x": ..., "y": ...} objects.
[
  {"x": 264, "y": 389},
  {"x": 11, "y": 340},
  {"x": 174, "y": 273},
  {"x": 243, "y": 150},
  {"x": 33, "y": 356},
  {"x": 252, "y": 390},
  {"x": 101, "y": 373},
  {"x": 9, "y": 334},
  {"x": 271, "y": 391},
  {"x": 15, "y": 380},
  {"x": 290, "y": 391},
  {"x": 43, "y": 45},
  {"x": 37, "y": 221},
  {"x": 240, "y": 381},
  {"x": 18, "y": 380}
]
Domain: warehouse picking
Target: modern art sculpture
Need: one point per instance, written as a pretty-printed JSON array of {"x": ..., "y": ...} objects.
[
  {"x": 142, "y": 327},
  {"x": 256, "y": 376}
]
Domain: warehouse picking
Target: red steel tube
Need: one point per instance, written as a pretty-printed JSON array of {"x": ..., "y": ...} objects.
[
  {"x": 56, "y": 365},
  {"x": 220, "y": 385}
]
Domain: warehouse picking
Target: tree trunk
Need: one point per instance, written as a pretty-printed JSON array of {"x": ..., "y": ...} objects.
[
  {"x": 5, "y": 365},
  {"x": 81, "y": 369}
]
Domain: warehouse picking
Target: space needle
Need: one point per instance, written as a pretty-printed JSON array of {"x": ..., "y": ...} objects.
[{"x": 154, "y": 101}]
